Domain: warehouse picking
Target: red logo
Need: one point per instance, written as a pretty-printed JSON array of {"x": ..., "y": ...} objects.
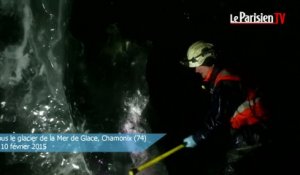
[{"x": 279, "y": 17}]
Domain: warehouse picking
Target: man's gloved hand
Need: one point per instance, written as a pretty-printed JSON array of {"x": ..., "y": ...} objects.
[{"x": 189, "y": 142}]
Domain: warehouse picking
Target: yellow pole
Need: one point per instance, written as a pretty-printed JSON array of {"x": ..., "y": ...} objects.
[{"x": 155, "y": 160}]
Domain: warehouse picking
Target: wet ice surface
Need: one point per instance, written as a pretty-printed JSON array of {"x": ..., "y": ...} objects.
[
  {"x": 31, "y": 82},
  {"x": 33, "y": 98},
  {"x": 134, "y": 122}
]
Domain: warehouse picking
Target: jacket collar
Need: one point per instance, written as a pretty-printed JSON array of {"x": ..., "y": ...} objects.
[
  {"x": 210, "y": 79},
  {"x": 212, "y": 75}
]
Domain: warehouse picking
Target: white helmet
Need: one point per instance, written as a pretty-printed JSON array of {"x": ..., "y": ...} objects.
[{"x": 198, "y": 52}]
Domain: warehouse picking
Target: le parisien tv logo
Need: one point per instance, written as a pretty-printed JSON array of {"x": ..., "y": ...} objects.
[{"x": 277, "y": 18}]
